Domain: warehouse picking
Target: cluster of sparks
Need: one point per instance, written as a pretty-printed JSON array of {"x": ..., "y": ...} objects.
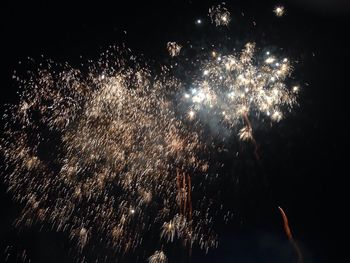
[
  {"x": 219, "y": 15},
  {"x": 158, "y": 257},
  {"x": 121, "y": 163},
  {"x": 173, "y": 48},
  {"x": 235, "y": 87}
]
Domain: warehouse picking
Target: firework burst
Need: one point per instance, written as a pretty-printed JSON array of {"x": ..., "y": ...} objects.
[
  {"x": 219, "y": 15},
  {"x": 173, "y": 48},
  {"x": 279, "y": 11},
  {"x": 158, "y": 257},
  {"x": 97, "y": 155},
  {"x": 235, "y": 86}
]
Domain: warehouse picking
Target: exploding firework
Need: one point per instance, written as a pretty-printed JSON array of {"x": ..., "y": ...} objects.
[
  {"x": 279, "y": 11},
  {"x": 175, "y": 227},
  {"x": 158, "y": 257},
  {"x": 173, "y": 48},
  {"x": 235, "y": 86},
  {"x": 245, "y": 134},
  {"x": 97, "y": 155},
  {"x": 219, "y": 15}
]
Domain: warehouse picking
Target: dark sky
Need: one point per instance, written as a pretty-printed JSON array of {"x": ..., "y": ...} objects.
[{"x": 304, "y": 158}]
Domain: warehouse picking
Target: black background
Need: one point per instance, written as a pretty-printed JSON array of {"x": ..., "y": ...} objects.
[{"x": 304, "y": 156}]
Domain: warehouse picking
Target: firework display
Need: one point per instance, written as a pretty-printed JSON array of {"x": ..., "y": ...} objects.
[{"x": 107, "y": 155}]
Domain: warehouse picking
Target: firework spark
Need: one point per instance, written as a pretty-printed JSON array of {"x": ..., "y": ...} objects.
[{"x": 290, "y": 236}]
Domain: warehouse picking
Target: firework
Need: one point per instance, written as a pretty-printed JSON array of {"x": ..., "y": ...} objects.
[
  {"x": 111, "y": 173},
  {"x": 237, "y": 86},
  {"x": 158, "y": 257},
  {"x": 245, "y": 134},
  {"x": 173, "y": 48},
  {"x": 174, "y": 227},
  {"x": 219, "y": 15},
  {"x": 168, "y": 230},
  {"x": 279, "y": 11}
]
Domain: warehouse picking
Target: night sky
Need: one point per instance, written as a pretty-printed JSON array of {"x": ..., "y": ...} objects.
[{"x": 303, "y": 165}]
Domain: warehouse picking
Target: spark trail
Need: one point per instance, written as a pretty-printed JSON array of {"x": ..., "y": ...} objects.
[{"x": 290, "y": 236}]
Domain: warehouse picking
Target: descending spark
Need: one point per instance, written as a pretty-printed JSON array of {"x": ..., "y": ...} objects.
[
  {"x": 290, "y": 236},
  {"x": 219, "y": 15},
  {"x": 286, "y": 224}
]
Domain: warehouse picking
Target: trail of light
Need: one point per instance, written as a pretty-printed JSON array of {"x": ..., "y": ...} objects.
[{"x": 288, "y": 232}]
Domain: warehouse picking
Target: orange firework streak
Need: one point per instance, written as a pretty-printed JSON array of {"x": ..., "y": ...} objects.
[
  {"x": 256, "y": 154},
  {"x": 290, "y": 236}
]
